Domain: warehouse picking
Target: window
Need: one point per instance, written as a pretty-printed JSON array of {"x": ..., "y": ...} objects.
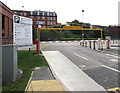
[
  {"x": 48, "y": 18},
  {"x": 43, "y": 18},
  {"x": 48, "y": 14},
  {"x": 54, "y": 18},
  {"x": 43, "y": 13},
  {"x": 48, "y": 23},
  {"x": 31, "y": 17},
  {"x": 31, "y": 13},
  {"x": 3, "y": 35},
  {"x": 21, "y": 13},
  {"x": 38, "y": 13},
  {"x": 51, "y": 18},
  {"x": 54, "y": 23},
  {"x": 51, "y": 23},
  {"x": 40, "y": 22},
  {"x": 53, "y": 14},
  {"x": 3, "y": 21},
  {"x": 25, "y": 14},
  {"x": 38, "y": 17}
]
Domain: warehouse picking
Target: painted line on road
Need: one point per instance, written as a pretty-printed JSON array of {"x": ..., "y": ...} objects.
[
  {"x": 112, "y": 56},
  {"x": 80, "y": 56},
  {"x": 111, "y": 68}
]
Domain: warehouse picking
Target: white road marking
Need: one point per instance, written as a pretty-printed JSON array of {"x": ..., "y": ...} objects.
[
  {"x": 80, "y": 56},
  {"x": 111, "y": 68},
  {"x": 112, "y": 56},
  {"x": 82, "y": 66},
  {"x": 114, "y": 60}
]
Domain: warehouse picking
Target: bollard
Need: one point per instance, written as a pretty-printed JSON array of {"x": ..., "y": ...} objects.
[
  {"x": 37, "y": 46},
  {"x": 116, "y": 41},
  {"x": 99, "y": 41},
  {"x": 83, "y": 43},
  {"x": 108, "y": 44},
  {"x": 94, "y": 45},
  {"x": 101, "y": 45},
  {"x": 86, "y": 44},
  {"x": 90, "y": 43},
  {"x": 80, "y": 43},
  {"x": 113, "y": 42}
]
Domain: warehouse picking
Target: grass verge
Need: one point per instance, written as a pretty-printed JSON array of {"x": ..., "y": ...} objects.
[{"x": 26, "y": 61}]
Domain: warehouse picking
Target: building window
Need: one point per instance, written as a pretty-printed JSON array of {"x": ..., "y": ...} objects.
[
  {"x": 31, "y": 13},
  {"x": 38, "y": 17},
  {"x": 3, "y": 35},
  {"x": 3, "y": 21},
  {"x": 48, "y": 23},
  {"x": 43, "y": 13},
  {"x": 38, "y": 13},
  {"x": 51, "y": 18},
  {"x": 54, "y": 18},
  {"x": 25, "y": 14},
  {"x": 48, "y": 14},
  {"x": 31, "y": 17},
  {"x": 53, "y": 14},
  {"x": 48, "y": 18},
  {"x": 40, "y": 22},
  {"x": 21, "y": 13},
  {"x": 51, "y": 23},
  {"x": 43, "y": 18},
  {"x": 15, "y": 12},
  {"x": 54, "y": 23}
]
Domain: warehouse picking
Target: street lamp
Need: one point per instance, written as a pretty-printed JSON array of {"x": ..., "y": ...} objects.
[{"x": 82, "y": 26}]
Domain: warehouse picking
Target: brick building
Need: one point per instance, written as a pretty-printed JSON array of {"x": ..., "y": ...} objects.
[
  {"x": 7, "y": 24},
  {"x": 114, "y": 32}
]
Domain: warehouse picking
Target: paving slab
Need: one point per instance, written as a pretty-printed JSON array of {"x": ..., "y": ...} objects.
[
  {"x": 72, "y": 77},
  {"x": 42, "y": 73}
]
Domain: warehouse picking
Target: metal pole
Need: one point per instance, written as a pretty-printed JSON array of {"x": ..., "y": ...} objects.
[
  {"x": 82, "y": 26},
  {"x": 37, "y": 34},
  {"x": 101, "y": 35}
]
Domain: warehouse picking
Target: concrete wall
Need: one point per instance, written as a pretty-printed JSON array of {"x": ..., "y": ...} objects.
[{"x": 9, "y": 63}]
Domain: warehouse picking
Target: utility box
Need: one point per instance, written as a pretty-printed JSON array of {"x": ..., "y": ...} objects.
[{"x": 9, "y": 63}]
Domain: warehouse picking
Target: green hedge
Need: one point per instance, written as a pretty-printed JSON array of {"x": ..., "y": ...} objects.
[{"x": 67, "y": 39}]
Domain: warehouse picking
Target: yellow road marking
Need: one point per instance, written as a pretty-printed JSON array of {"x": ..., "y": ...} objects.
[{"x": 114, "y": 90}]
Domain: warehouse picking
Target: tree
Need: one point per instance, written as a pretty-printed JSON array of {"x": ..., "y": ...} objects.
[{"x": 76, "y": 21}]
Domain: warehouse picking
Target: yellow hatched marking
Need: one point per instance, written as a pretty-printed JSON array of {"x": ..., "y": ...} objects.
[{"x": 115, "y": 90}]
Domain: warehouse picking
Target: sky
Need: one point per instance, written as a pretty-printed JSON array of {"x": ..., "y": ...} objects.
[{"x": 96, "y": 12}]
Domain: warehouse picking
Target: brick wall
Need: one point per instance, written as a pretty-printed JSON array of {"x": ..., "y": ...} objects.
[{"x": 7, "y": 19}]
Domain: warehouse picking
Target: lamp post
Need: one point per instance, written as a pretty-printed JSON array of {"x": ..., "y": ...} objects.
[{"x": 82, "y": 26}]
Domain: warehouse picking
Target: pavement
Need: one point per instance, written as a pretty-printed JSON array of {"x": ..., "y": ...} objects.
[{"x": 43, "y": 80}]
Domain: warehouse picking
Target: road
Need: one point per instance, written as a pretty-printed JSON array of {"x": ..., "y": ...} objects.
[{"x": 102, "y": 67}]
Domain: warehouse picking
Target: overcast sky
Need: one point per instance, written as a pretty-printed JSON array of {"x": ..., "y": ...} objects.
[{"x": 96, "y": 12}]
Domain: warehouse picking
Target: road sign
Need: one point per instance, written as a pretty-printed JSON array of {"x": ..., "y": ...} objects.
[
  {"x": 39, "y": 26},
  {"x": 22, "y": 31}
]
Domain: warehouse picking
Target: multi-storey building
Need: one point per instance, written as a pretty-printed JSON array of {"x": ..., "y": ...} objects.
[
  {"x": 45, "y": 18},
  {"x": 7, "y": 24}
]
